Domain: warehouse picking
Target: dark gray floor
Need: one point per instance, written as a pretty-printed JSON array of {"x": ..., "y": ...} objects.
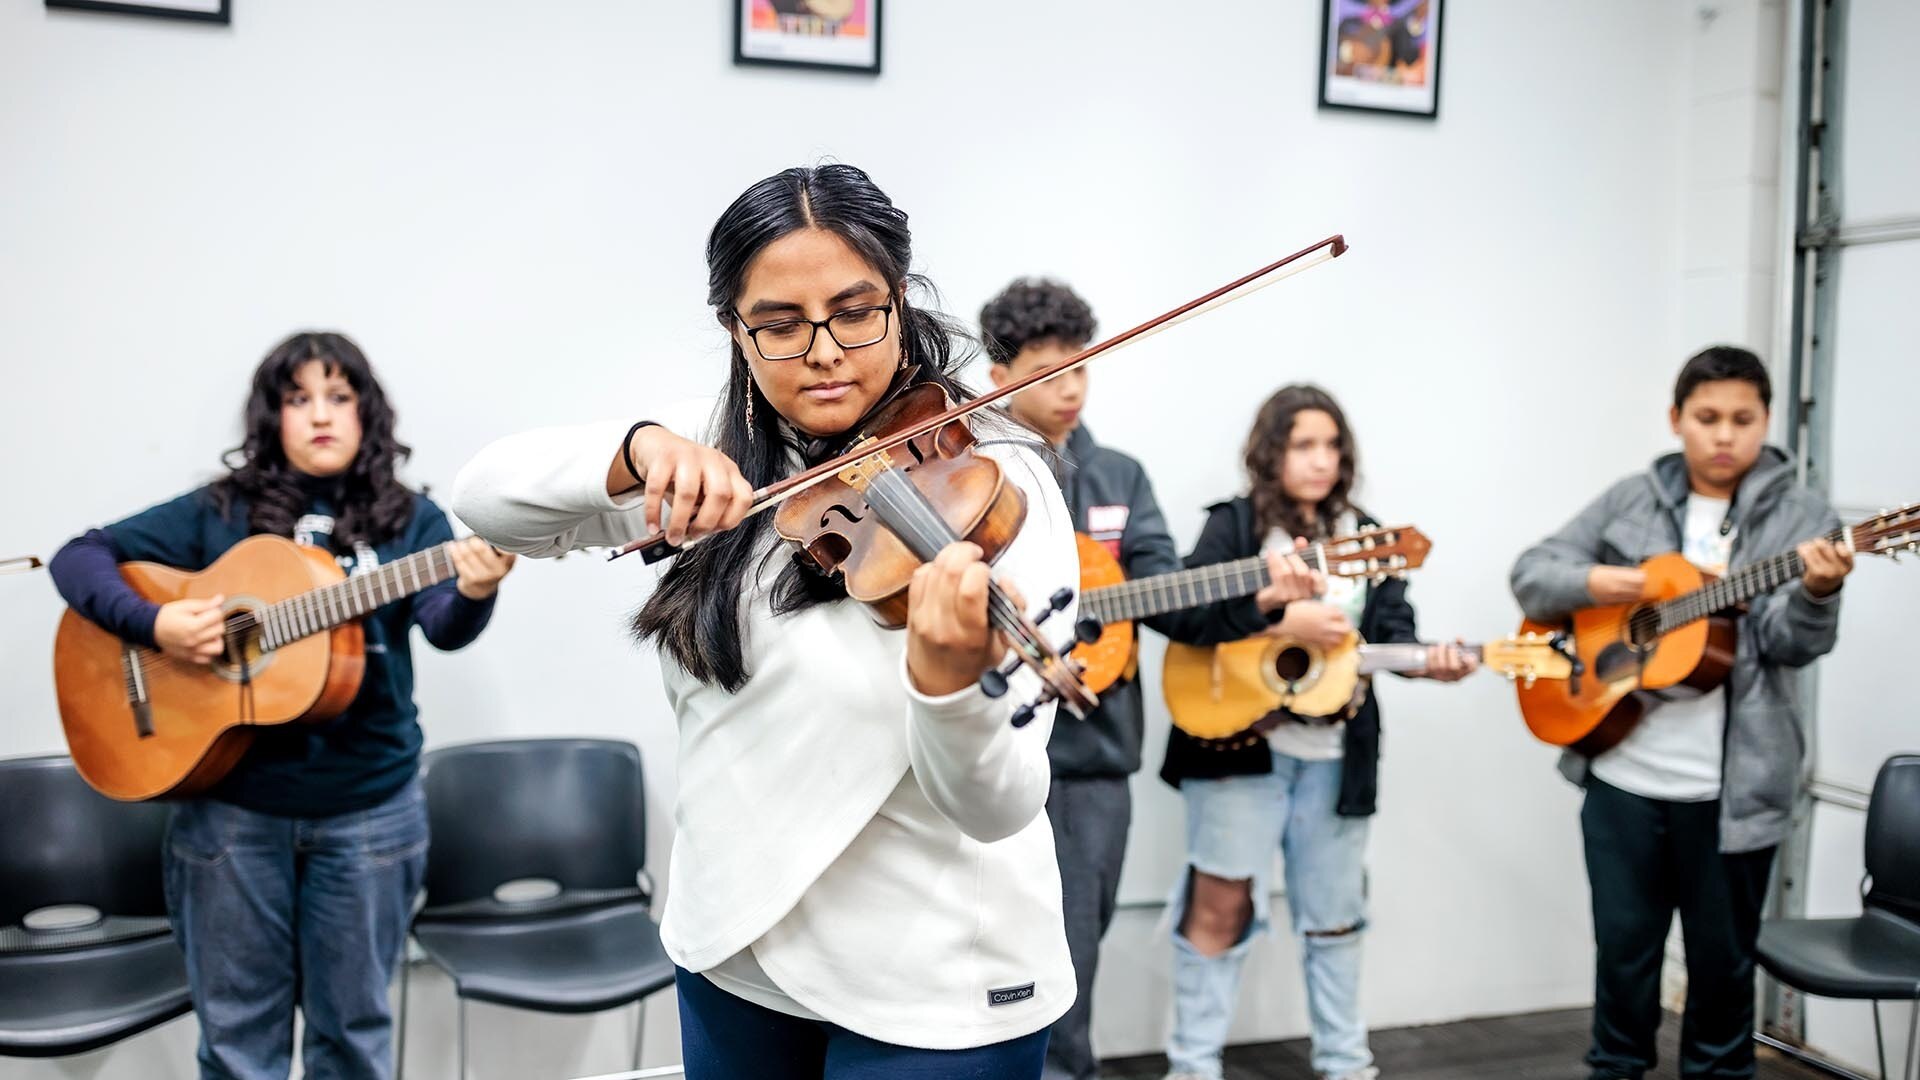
[{"x": 1536, "y": 1046}]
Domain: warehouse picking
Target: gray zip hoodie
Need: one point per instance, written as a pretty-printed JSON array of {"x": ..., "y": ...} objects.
[{"x": 1782, "y": 631}]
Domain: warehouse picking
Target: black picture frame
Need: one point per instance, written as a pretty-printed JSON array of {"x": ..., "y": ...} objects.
[
  {"x": 748, "y": 51},
  {"x": 1405, "y": 26},
  {"x": 157, "y": 9}
]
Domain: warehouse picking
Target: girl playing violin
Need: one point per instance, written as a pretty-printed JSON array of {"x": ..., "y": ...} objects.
[{"x": 863, "y": 880}]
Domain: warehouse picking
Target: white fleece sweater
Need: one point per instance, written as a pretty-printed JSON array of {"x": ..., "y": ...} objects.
[{"x": 885, "y": 855}]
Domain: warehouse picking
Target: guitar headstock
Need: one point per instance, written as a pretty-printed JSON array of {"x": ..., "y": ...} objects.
[
  {"x": 1889, "y": 533},
  {"x": 1526, "y": 657},
  {"x": 1377, "y": 554}
]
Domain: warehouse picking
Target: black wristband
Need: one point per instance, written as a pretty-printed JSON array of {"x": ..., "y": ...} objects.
[
  {"x": 626, "y": 450},
  {"x": 1275, "y": 615}
]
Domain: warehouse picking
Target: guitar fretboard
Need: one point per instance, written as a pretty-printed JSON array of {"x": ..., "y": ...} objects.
[
  {"x": 1736, "y": 588},
  {"x": 1411, "y": 656},
  {"x": 1146, "y": 597},
  {"x": 1161, "y": 593},
  {"x": 322, "y": 609}
]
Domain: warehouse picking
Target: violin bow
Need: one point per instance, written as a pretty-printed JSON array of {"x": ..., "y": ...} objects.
[{"x": 776, "y": 493}]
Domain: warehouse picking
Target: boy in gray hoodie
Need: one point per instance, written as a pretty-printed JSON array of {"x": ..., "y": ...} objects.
[{"x": 1685, "y": 813}]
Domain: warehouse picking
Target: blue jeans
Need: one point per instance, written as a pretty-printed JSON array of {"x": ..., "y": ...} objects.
[
  {"x": 276, "y": 912},
  {"x": 1234, "y": 826},
  {"x": 723, "y": 1037}
]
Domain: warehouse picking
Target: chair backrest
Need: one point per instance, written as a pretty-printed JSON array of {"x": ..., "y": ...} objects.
[
  {"x": 1893, "y": 838},
  {"x": 61, "y": 842},
  {"x": 572, "y": 811}
]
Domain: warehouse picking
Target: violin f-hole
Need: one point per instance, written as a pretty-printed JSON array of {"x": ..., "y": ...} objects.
[{"x": 845, "y": 512}]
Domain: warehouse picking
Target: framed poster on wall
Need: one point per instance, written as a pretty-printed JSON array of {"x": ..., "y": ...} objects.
[
  {"x": 204, "y": 10},
  {"x": 1381, "y": 56},
  {"x": 838, "y": 35}
]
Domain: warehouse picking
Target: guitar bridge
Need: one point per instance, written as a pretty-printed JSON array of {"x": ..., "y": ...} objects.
[{"x": 136, "y": 676}]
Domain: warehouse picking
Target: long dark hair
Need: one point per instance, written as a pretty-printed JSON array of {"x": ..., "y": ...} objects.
[
  {"x": 1267, "y": 449},
  {"x": 694, "y": 614},
  {"x": 371, "y": 504}
]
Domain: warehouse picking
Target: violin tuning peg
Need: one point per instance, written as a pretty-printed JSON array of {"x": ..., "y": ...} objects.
[
  {"x": 1060, "y": 599},
  {"x": 1023, "y": 716},
  {"x": 993, "y": 684}
]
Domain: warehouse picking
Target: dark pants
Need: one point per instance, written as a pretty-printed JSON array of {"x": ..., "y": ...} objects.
[
  {"x": 723, "y": 1037},
  {"x": 276, "y": 912},
  {"x": 1645, "y": 859},
  {"x": 1090, "y": 818}
]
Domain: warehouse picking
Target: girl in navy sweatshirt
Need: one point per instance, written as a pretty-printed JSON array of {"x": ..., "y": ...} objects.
[{"x": 292, "y": 879}]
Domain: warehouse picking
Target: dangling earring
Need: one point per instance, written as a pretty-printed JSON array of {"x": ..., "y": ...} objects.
[{"x": 746, "y": 385}]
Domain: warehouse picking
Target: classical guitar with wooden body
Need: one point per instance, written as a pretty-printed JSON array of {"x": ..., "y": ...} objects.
[
  {"x": 143, "y": 725},
  {"x": 1677, "y": 640},
  {"x": 1108, "y": 598},
  {"x": 1219, "y": 691}
]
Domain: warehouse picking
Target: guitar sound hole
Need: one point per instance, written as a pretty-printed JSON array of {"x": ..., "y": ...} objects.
[
  {"x": 241, "y": 649},
  {"x": 1292, "y": 664},
  {"x": 1643, "y": 628}
]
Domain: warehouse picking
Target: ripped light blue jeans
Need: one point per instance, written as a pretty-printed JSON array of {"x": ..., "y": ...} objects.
[{"x": 1234, "y": 826}]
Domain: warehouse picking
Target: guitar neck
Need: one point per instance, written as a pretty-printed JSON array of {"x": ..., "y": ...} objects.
[
  {"x": 319, "y": 610},
  {"x": 1404, "y": 657},
  {"x": 1143, "y": 598},
  {"x": 1737, "y": 587}
]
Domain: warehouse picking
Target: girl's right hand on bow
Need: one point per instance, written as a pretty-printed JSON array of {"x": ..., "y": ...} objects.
[{"x": 700, "y": 488}]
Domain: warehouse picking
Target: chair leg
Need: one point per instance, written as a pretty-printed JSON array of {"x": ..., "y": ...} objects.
[
  {"x": 1913, "y": 1043},
  {"x": 462, "y": 1074},
  {"x": 1880, "y": 1042},
  {"x": 639, "y": 1028},
  {"x": 400, "y": 1037}
]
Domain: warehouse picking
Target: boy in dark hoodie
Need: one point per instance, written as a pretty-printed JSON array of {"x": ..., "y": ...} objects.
[{"x": 1028, "y": 326}]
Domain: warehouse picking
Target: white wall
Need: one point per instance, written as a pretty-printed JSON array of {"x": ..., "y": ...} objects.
[{"x": 505, "y": 203}]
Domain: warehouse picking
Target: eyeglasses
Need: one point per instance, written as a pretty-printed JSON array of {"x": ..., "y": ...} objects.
[{"x": 789, "y": 339}]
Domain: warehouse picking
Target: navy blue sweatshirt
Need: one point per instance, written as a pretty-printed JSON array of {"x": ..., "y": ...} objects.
[{"x": 352, "y": 762}]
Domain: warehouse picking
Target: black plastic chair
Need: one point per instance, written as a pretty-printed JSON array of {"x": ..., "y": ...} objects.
[
  {"x": 537, "y": 894},
  {"x": 1877, "y": 955},
  {"x": 86, "y": 955}
]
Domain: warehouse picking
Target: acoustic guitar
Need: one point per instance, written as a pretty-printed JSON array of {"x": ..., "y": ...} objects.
[
  {"x": 142, "y": 725},
  {"x": 1108, "y": 598},
  {"x": 1677, "y": 640},
  {"x": 1220, "y": 691}
]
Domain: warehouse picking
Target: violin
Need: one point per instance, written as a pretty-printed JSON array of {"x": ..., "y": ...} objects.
[
  {"x": 888, "y": 511},
  {"x": 911, "y": 484}
]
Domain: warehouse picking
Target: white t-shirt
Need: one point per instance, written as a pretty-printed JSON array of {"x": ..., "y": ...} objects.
[
  {"x": 1321, "y": 742},
  {"x": 1674, "y": 754}
]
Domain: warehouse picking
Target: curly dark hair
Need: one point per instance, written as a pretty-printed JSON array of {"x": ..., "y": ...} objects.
[
  {"x": 1032, "y": 310},
  {"x": 371, "y": 503},
  {"x": 1266, "y": 450}
]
